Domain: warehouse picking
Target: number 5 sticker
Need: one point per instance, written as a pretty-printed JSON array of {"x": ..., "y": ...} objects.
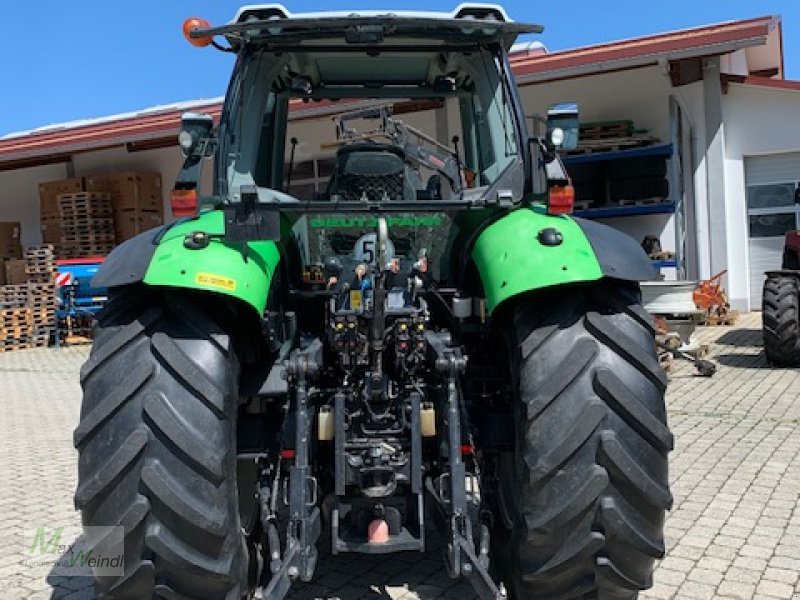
[{"x": 366, "y": 249}]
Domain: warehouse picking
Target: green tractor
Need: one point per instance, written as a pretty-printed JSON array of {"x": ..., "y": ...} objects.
[{"x": 382, "y": 317}]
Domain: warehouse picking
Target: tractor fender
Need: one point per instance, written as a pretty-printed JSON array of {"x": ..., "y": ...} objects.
[
  {"x": 618, "y": 254},
  {"x": 161, "y": 257},
  {"x": 517, "y": 254}
]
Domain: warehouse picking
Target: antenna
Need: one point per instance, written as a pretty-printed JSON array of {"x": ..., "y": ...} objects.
[{"x": 293, "y": 142}]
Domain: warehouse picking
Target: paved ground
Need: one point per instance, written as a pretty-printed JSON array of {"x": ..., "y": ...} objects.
[{"x": 734, "y": 531}]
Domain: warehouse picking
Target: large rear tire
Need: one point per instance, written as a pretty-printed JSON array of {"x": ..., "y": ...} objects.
[
  {"x": 781, "y": 317},
  {"x": 157, "y": 448},
  {"x": 583, "y": 497}
]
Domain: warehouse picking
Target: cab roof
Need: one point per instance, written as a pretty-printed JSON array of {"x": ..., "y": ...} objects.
[{"x": 273, "y": 25}]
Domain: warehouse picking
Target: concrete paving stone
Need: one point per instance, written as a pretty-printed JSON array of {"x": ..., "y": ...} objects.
[
  {"x": 670, "y": 576},
  {"x": 785, "y": 562},
  {"x": 729, "y": 541},
  {"x": 705, "y": 576},
  {"x": 722, "y": 552},
  {"x": 735, "y": 477},
  {"x": 782, "y": 575},
  {"x": 715, "y": 564},
  {"x": 737, "y": 530},
  {"x": 751, "y": 551},
  {"x": 693, "y": 589},
  {"x": 661, "y": 592},
  {"x": 688, "y": 550},
  {"x": 775, "y": 589},
  {"x": 677, "y": 563},
  {"x": 736, "y": 589}
]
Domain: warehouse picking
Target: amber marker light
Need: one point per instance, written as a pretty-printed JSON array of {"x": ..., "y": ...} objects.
[{"x": 192, "y": 24}]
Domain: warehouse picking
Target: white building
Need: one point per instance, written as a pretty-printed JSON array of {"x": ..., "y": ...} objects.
[{"x": 714, "y": 97}]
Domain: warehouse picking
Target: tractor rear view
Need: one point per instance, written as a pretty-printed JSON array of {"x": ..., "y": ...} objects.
[
  {"x": 781, "y": 307},
  {"x": 382, "y": 319}
]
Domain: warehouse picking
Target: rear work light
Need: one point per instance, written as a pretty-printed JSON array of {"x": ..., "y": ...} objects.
[
  {"x": 561, "y": 200},
  {"x": 183, "y": 203}
]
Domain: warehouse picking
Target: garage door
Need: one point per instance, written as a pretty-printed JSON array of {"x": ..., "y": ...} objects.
[{"x": 773, "y": 208}]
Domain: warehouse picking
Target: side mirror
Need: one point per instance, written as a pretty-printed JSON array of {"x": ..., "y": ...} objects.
[
  {"x": 195, "y": 137},
  {"x": 563, "y": 126}
]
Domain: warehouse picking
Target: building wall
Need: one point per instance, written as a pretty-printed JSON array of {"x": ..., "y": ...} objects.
[
  {"x": 758, "y": 121},
  {"x": 166, "y": 161},
  {"x": 641, "y": 95},
  {"x": 19, "y": 197},
  {"x": 19, "y": 189},
  {"x": 638, "y": 94}
]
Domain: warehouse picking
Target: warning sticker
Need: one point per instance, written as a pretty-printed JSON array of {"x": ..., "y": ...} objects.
[
  {"x": 355, "y": 300},
  {"x": 217, "y": 281}
]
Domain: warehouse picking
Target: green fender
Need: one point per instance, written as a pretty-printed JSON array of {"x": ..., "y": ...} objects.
[
  {"x": 219, "y": 267},
  {"x": 511, "y": 260}
]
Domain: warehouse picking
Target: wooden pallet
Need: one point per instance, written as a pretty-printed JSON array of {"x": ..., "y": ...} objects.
[
  {"x": 15, "y": 333},
  {"x": 72, "y": 207},
  {"x": 69, "y": 237},
  {"x": 15, "y": 345},
  {"x": 40, "y": 277},
  {"x": 14, "y": 316},
  {"x": 40, "y": 268},
  {"x": 84, "y": 198},
  {"x": 42, "y": 288},
  {"x": 13, "y": 295},
  {"x": 81, "y": 223},
  {"x": 88, "y": 234},
  {"x": 41, "y": 336},
  {"x": 611, "y": 145},
  {"x": 606, "y": 129},
  {"x": 40, "y": 250}
]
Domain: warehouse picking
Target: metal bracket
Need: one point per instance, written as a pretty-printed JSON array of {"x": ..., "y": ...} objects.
[
  {"x": 304, "y": 528},
  {"x": 460, "y": 554},
  {"x": 249, "y": 220}
]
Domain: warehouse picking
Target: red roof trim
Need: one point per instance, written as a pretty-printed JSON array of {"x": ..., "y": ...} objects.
[
  {"x": 150, "y": 126},
  {"x": 777, "y": 84},
  {"x": 645, "y": 46},
  {"x": 88, "y": 137}
]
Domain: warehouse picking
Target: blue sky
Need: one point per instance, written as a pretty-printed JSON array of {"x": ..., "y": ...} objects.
[{"x": 70, "y": 60}]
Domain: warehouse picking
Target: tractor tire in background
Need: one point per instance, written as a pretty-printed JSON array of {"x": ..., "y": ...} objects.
[
  {"x": 781, "y": 319},
  {"x": 157, "y": 448},
  {"x": 582, "y": 499}
]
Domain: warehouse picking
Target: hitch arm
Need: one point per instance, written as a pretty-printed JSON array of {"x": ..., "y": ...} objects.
[
  {"x": 460, "y": 555},
  {"x": 304, "y": 528}
]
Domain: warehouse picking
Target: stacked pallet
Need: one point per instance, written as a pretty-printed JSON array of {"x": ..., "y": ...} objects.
[
  {"x": 40, "y": 263},
  {"x": 136, "y": 206},
  {"x": 618, "y": 180},
  {"x": 15, "y": 328},
  {"x": 136, "y": 198},
  {"x": 609, "y": 136},
  {"x": 86, "y": 224},
  {"x": 42, "y": 300},
  {"x": 13, "y": 296},
  {"x": 48, "y": 205},
  {"x": 28, "y": 307}
]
